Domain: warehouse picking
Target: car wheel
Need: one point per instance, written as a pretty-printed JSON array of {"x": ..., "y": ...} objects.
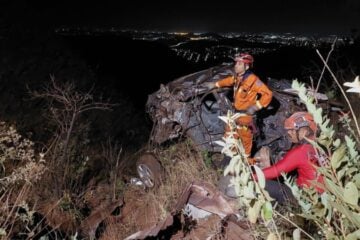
[{"x": 149, "y": 170}]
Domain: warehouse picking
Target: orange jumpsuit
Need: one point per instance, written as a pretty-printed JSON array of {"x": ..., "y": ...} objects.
[{"x": 249, "y": 91}]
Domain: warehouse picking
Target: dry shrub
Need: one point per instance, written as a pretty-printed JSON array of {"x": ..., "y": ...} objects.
[
  {"x": 31, "y": 172},
  {"x": 183, "y": 164},
  {"x": 20, "y": 169},
  {"x": 17, "y": 158},
  {"x": 58, "y": 215},
  {"x": 11, "y": 201}
]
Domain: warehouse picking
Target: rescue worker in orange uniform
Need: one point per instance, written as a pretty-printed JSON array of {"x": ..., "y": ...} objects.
[{"x": 250, "y": 95}]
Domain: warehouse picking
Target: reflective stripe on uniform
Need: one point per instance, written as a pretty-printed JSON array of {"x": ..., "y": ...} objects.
[{"x": 242, "y": 127}]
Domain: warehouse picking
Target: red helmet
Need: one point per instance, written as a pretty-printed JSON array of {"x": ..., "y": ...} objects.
[
  {"x": 245, "y": 58},
  {"x": 300, "y": 119}
]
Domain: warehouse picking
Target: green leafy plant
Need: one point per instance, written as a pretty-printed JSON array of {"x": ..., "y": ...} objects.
[
  {"x": 251, "y": 194},
  {"x": 335, "y": 211}
]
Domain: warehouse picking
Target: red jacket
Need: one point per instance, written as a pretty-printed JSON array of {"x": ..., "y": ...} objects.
[{"x": 303, "y": 159}]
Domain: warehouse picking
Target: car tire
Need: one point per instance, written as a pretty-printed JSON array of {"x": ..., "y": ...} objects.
[{"x": 149, "y": 170}]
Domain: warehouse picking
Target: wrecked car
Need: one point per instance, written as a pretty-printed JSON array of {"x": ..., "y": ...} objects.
[{"x": 186, "y": 108}]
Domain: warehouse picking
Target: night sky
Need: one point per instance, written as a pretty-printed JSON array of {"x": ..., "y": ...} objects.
[{"x": 305, "y": 16}]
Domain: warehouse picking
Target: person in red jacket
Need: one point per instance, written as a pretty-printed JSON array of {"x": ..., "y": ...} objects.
[
  {"x": 250, "y": 95},
  {"x": 302, "y": 158}
]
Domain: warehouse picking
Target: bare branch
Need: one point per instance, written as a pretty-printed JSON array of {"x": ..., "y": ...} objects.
[
  {"x": 342, "y": 91},
  {"x": 323, "y": 70},
  {"x": 65, "y": 105}
]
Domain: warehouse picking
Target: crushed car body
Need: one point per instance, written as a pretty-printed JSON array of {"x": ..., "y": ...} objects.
[{"x": 185, "y": 107}]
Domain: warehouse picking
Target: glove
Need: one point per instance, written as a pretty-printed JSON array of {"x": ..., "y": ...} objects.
[
  {"x": 252, "y": 110},
  {"x": 209, "y": 85}
]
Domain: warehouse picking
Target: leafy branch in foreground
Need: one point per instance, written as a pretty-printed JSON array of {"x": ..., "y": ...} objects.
[
  {"x": 252, "y": 194},
  {"x": 337, "y": 206},
  {"x": 353, "y": 86}
]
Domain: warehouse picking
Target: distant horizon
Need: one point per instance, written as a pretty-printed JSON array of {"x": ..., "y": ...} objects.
[{"x": 157, "y": 30}]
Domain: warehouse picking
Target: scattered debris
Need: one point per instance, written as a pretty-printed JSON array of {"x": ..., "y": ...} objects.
[{"x": 202, "y": 196}]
